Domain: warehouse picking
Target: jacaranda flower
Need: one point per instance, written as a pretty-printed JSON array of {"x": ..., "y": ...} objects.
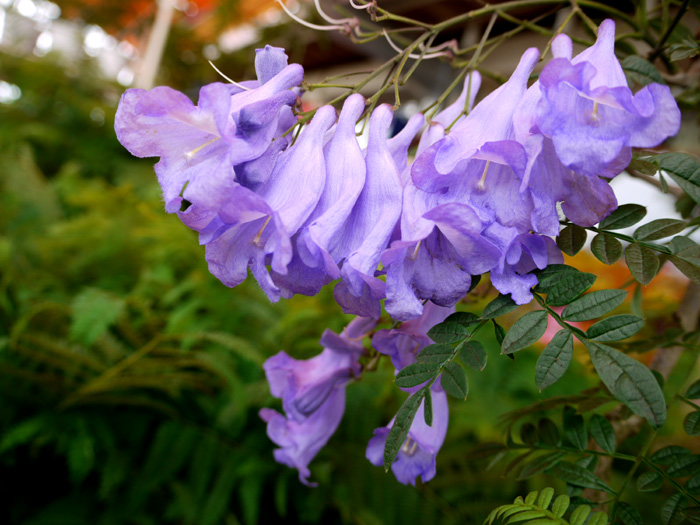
[{"x": 313, "y": 395}]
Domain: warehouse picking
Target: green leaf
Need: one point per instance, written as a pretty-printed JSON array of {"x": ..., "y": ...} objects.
[
  {"x": 454, "y": 381},
  {"x": 689, "y": 266},
  {"x": 693, "y": 391},
  {"x": 528, "y": 433},
  {"x": 623, "y": 217},
  {"x": 437, "y": 353},
  {"x": 428, "y": 408},
  {"x": 672, "y": 510},
  {"x": 606, "y": 248},
  {"x": 473, "y": 354},
  {"x": 593, "y": 305},
  {"x": 684, "y": 170},
  {"x": 575, "y": 428},
  {"x": 643, "y": 166},
  {"x": 499, "y": 332},
  {"x": 94, "y": 311},
  {"x": 501, "y": 305},
  {"x": 641, "y": 71},
  {"x": 402, "y": 424},
  {"x": 563, "y": 286},
  {"x": 466, "y": 319},
  {"x": 615, "y": 328},
  {"x": 603, "y": 432},
  {"x": 541, "y": 463},
  {"x": 545, "y": 498},
  {"x": 579, "y": 515},
  {"x": 579, "y": 476},
  {"x": 686, "y": 49},
  {"x": 684, "y": 466},
  {"x": 693, "y": 484},
  {"x": 448, "y": 332},
  {"x": 548, "y": 432},
  {"x": 415, "y": 374},
  {"x": 571, "y": 239},
  {"x": 691, "y": 423},
  {"x": 554, "y": 359},
  {"x": 599, "y": 518},
  {"x": 669, "y": 454},
  {"x": 630, "y": 382},
  {"x": 561, "y": 505},
  {"x": 526, "y": 331},
  {"x": 650, "y": 482},
  {"x": 659, "y": 229},
  {"x": 642, "y": 262}
]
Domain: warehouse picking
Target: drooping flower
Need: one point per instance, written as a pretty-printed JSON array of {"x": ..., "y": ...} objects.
[
  {"x": 313, "y": 395},
  {"x": 416, "y": 457},
  {"x": 591, "y": 115},
  {"x": 199, "y": 145}
]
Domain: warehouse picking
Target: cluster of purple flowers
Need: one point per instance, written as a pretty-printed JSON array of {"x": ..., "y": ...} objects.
[{"x": 484, "y": 194}]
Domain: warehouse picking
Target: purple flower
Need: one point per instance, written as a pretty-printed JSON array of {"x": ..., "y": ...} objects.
[
  {"x": 592, "y": 116},
  {"x": 199, "y": 145},
  {"x": 313, "y": 395},
  {"x": 417, "y": 455},
  {"x": 403, "y": 344},
  {"x": 371, "y": 224}
]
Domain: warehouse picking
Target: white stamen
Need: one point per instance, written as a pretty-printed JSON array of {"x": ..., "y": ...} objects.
[
  {"x": 327, "y": 18},
  {"x": 357, "y": 6},
  {"x": 411, "y": 55},
  {"x": 226, "y": 78},
  {"x": 481, "y": 185},
  {"x": 193, "y": 152},
  {"x": 256, "y": 240}
]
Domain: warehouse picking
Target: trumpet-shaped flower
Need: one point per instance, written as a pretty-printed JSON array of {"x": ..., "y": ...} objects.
[{"x": 313, "y": 395}]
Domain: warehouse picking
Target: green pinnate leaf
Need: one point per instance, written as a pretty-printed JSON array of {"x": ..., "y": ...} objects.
[
  {"x": 672, "y": 510},
  {"x": 650, "y": 482},
  {"x": 545, "y": 497},
  {"x": 689, "y": 266},
  {"x": 562, "y": 287},
  {"x": 466, "y": 319},
  {"x": 579, "y": 515},
  {"x": 554, "y": 359},
  {"x": 641, "y": 71},
  {"x": 593, "y": 305},
  {"x": 473, "y": 354},
  {"x": 642, "y": 262},
  {"x": 528, "y": 433},
  {"x": 693, "y": 391},
  {"x": 643, "y": 166},
  {"x": 499, "y": 332},
  {"x": 415, "y": 374},
  {"x": 606, "y": 248},
  {"x": 575, "y": 428},
  {"x": 691, "y": 423},
  {"x": 94, "y": 311},
  {"x": 526, "y": 331},
  {"x": 448, "y": 332},
  {"x": 669, "y": 454},
  {"x": 579, "y": 476},
  {"x": 684, "y": 170},
  {"x": 531, "y": 497},
  {"x": 630, "y": 382},
  {"x": 548, "y": 432},
  {"x": 428, "y": 408},
  {"x": 560, "y": 505},
  {"x": 541, "y": 463},
  {"x": 684, "y": 466},
  {"x": 571, "y": 239},
  {"x": 454, "y": 381},
  {"x": 501, "y": 305},
  {"x": 599, "y": 518},
  {"x": 526, "y": 516},
  {"x": 436, "y": 353},
  {"x": 615, "y": 328},
  {"x": 402, "y": 424},
  {"x": 692, "y": 486},
  {"x": 659, "y": 229},
  {"x": 623, "y": 217},
  {"x": 603, "y": 432}
]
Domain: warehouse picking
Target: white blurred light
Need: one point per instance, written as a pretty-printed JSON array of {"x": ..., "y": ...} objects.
[
  {"x": 94, "y": 40},
  {"x": 5, "y": 3},
  {"x": 44, "y": 43},
  {"x": 125, "y": 76},
  {"x": 211, "y": 52},
  {"x": 238, "y": 37},
  {"x": 25, "y": 8},
  {"x": 9, "y": 93},
  {"x": 2, "y": 23}
]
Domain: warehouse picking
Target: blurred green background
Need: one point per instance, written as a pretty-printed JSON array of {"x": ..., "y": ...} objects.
[{"x": 131, "y": 378}]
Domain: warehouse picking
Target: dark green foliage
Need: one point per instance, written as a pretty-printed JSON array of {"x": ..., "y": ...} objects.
[
  {"x": 594, "y": 304},
  {"x": 603, "y": 433},
  {"x": 526, "y": 331},
  {"x": 554, "y": 359},
  {"x": 684, "y": 170},
  {"x": 575, "y": 428},
  {"x": 623, "y": 217},
  {"x": 659, "y": 229},
  {"x": 473, "y": 354},
  {"x": 649, "y": 482},
  {"x": 572, "y": 239},
  {"x": 642, "y": 262},
  {"x": 641, "y": 71},
  {"x": 606, "y": 248},
  {"x": 454, "y": 381},
  {"x": 402, "y": 424},
  {"x": 691, "y": 424},
  {"x": 501, "y": 305}
]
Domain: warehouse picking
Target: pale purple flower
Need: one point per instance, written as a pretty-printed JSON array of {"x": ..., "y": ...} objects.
[
  {"x": 416, "y": 457},
  {"x": 313, "y": 395},
  {"x": 591, "y": 115}
]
